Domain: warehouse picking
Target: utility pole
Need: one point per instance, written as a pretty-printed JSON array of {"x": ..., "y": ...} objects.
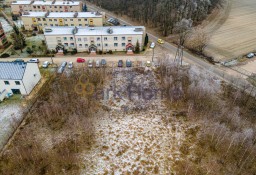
[{"x": 153, "y": 55}]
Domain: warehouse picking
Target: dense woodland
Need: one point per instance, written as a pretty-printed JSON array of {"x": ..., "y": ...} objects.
[{"x": 163, "y": 14}]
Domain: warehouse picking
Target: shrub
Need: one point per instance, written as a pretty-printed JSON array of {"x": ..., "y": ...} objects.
[
  {"x": 5, "y": 55},
  {"x": 110, "y": 52},
  {"x": 74, "y": 51},
  {"x": 100, "y": 52}
]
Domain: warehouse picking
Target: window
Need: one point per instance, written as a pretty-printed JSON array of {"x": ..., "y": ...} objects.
[
  {"x": 98, "y": 38},
  {"x": 56, "y": 24},
  {"x": 66, "y": 24},
  {"x": 98, "y": 45},
  {"x": 60, "y": 7},
  {"x": 115, "y": 38},
  {"x": 129, "y": 40},
  {"x": 72, "y": 24},
  {"x": 50, "y": 19},
  {"x": 71, "y": 38},
  {"x": 44, "y": 19},
  {"x": 70, "y": 6},
  {"x": 79, "y": 39},
  {"x": 65, "y": 44},
  {"x": 65, "y": 19},
  {"x": 38, "y": 7},
  {"x": 71, "y": 19},
  {"x": 123, "y": 44},
  {"x": 115, "y": 44},
  {"x": 80, "y": 45},
  {"x": 80, "y": 24},
  {"x": 50, "y": 6},
  {"x": 55, "y": 6},
  {"x": 123, "y": 38},
  {"x": 34, "y": 7},
  {"x": 17, "y": 82},
  {"x": 45, "y": 24},
  {"x": 65, "y": 38},
  {"x": 79, "y": 19},
  {"x": 39, "y": 19},
  {"x": 85, "y": 39},
  {"x": 55, "y": 19},
  {"x": 85, "y": 19},
  {"x": 40, "y": 24},
  {"x": 105, "y": 38},
  {"x": 106, "y": 45},
  {"x": 6, "y": 83},
  {"x": 86, "y": 45},
  {"x": 51, "y": 24}
]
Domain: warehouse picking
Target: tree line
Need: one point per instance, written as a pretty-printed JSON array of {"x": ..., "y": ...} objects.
[{"x": 163, "y": 14}]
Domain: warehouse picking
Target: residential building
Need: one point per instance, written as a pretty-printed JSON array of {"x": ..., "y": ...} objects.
[
  {"x": 88, "y": 39},
  {"x": 39, "y": 20},
  {"x": 19, "y": 77},
  {"x": 18, "y": 7},
  {"x": 3, "y": 39}
]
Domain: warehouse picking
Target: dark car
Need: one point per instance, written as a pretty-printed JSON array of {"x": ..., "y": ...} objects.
[
  {"x": 18, "y": 60},
  {"x": 103, "y": 62},
  {"x": 128, "y": 63},
  {"x": 120, "y": 63}
]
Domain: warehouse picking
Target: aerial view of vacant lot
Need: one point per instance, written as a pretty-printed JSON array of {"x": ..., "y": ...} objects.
[{"x": 236, "y": 33}]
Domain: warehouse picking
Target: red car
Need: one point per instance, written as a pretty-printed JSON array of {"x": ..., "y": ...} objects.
[{"x": 80, "y": 60}]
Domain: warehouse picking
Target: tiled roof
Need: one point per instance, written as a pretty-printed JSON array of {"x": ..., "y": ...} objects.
[{"x": 12, "y": 70}]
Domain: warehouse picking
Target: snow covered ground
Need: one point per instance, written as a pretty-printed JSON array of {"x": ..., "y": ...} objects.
[
  {"x": 9, "y": 115},
  {"x": 138, "y": 135}
]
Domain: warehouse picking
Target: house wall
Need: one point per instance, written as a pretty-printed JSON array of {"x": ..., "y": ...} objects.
[
  {"x": 17, "y": 8},
  {"x": 83, "y": 42},
  {"x": 13, "y": 85},
  {"x": 54, "y": 40},
  {"x": 42, "y": 22},
  {"x": 31, "y": 76}
]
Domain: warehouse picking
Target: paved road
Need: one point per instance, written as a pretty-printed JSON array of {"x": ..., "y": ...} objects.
[{"x": 226, "y": 74}]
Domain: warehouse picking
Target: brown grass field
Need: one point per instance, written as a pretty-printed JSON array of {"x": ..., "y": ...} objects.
[{"x": 235, "y": 31}]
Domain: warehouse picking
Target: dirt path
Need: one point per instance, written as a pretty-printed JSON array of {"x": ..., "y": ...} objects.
[{"x": 234, "y": 32}]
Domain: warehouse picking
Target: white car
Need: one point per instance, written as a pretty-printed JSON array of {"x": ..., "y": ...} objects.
[
  {"x": 70, "y": 65},
  {"x": 46, "y": 64},
  {"x": 250, "y": 55},
  {"x": 33, "y": 60},
  {"x": 97, "y": 64},
  {"x": 152, "y": 45},
  {"x": 90, "y": 63}
]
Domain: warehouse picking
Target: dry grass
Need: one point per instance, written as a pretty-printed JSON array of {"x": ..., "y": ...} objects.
[{"x": 58, "y": 129}]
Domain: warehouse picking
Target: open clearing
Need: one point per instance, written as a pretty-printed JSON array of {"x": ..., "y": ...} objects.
[{"x": 236, "y": 31}]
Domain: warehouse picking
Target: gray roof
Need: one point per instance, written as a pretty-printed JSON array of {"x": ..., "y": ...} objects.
[{"x": 12, "y": 70}]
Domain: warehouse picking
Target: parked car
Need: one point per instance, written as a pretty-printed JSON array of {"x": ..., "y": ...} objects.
[
  {"x": 90, "y": 63},
  {"x": 128, "y": 63},
  {"x": 120, "y": 63},
  {"x": 33, "y": 60},
  {"x": 70, "y": 65},
  {"x": 97, "y": 64},
  {"x": 63, "y": 64},
  {"x": 250, "y": 55},
  {"x": 152, "y": 45},
  {"x": 103, "y": 62},
  {"x": 18, "y": 60},
  {"x": 60, "y": 70},
  {"x": 148, "y": 63},
  {"x": 113, "y": 21},
  {"x": 80, "y": 60},
  {"x": 160, "y": 41},
  {"x": 46, "y": 64}
]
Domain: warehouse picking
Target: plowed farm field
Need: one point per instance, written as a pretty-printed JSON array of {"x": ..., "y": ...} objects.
[{"x": 234, "y": 32}]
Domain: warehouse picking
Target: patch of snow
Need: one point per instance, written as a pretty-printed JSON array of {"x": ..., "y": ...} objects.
[{"x": 9, "y": 114}]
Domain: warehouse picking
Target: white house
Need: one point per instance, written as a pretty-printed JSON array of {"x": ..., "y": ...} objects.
[
  {"x": 88, "y": 39},
  {"x": 19, "y": 77}
]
